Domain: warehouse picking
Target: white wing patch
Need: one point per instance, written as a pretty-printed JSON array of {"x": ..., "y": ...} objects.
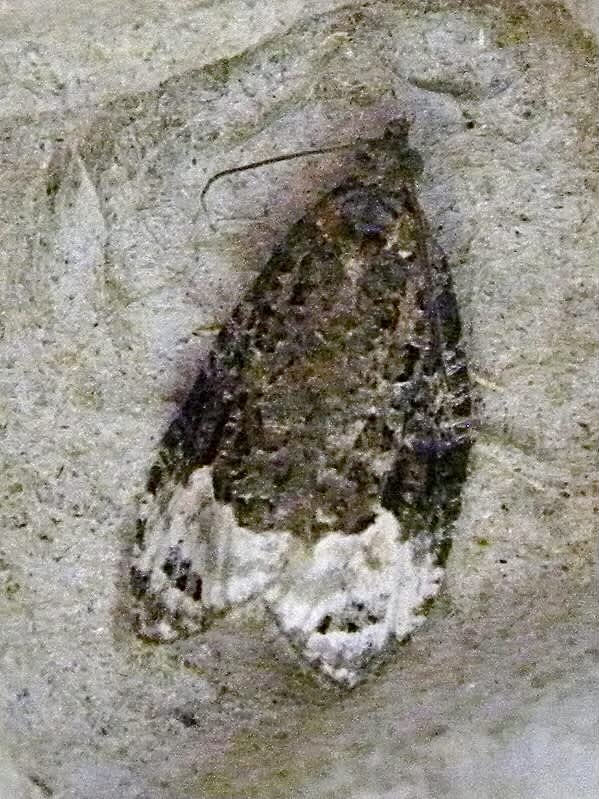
[{"x": 340, "y": 602}]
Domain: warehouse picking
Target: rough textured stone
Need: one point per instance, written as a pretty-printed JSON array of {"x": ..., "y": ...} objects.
[{"x": 113, "y": 283}]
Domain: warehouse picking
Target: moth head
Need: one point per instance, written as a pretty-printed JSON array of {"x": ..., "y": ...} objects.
[
  {"x": 385, "y": 161},
  {"x": 389, "y": 160}
]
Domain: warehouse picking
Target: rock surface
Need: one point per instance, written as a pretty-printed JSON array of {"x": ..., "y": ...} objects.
[{"x": 113, "y": 281}]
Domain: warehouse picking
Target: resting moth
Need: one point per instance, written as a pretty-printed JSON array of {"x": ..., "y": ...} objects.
[{"x": 317, "y": 463}]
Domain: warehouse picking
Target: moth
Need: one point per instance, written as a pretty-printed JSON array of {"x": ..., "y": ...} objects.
[{"x": 317, "y": 463}]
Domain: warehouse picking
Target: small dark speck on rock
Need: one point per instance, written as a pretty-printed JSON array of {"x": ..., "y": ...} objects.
[
  {"x": 187, "y": 718},
  {"x": 438, "y": 729},
  {"x": 45, "y": 789}
]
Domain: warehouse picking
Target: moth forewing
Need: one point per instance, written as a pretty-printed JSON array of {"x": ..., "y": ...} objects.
[{"x": 316, "y": 465}]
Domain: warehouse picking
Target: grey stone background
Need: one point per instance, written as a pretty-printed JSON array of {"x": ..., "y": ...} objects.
[{"x": 113, "y": 116}]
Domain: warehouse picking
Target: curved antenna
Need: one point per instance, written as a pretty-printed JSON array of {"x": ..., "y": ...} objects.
[{"x": 273, "y": 160}]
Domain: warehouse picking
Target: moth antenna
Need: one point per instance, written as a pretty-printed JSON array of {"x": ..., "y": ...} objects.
[{"x": 265, "y": 162}]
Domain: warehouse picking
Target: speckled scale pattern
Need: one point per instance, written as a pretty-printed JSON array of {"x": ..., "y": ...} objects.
[{"x": 330, "y": 426}]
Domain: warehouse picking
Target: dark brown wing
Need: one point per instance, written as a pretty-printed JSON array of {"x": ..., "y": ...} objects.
[{"x": 321, "y": 396}]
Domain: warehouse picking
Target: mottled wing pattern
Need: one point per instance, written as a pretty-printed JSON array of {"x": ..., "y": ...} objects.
[{"x": 318, "y": 460}]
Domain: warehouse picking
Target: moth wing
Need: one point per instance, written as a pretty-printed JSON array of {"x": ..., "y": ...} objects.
[{"x": 192, "y": 558}]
